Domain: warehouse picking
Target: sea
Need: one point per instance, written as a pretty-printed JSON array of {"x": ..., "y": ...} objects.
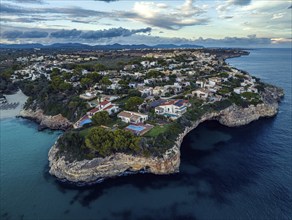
[{"x": 226, "y": 173}]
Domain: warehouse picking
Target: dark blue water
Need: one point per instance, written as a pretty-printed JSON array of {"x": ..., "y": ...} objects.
[{"x": 226, "y": 173}]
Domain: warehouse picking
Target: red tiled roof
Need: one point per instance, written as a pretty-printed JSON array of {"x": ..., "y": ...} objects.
[
  {"x": 109, "y": 107},
  {"x": 169, "y": 102},
  {"x": 104, "y": 102},
  {"x": 94, "y": 110},
  {"x": 84, "y": 117}
]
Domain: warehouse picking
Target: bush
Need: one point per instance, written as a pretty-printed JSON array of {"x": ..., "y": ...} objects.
[{"x": 105, "y": 142}]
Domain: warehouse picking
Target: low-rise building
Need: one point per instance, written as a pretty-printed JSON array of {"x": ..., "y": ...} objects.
[
  {"x": 173, "y": 108},
  {"x": 201, "y": 93},
  {"x": 238, "y": 90},
  {"x": 132, "y": 117}
]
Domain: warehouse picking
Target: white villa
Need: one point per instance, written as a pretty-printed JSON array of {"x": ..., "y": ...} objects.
[
  {"x": 173, "y": 108},
  {"x": 132, "y": 117},
  {"x": 201, "y": 93},
  {"x": 104, "y": 106}
]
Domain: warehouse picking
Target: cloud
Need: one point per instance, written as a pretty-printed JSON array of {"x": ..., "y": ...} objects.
[
  {"x": 249, "y": 41},
  {"x": 28, "y": 1},
  {"x": 112, "y": 32},
  {"x": 72, "y": 12},
  {"x": 240, "y": 2},
  {"x": 161, "y": 15},
  {"x": 230, "y": 3},
  {"x": 290, "y": 7},
  {"x": 75, "y": 34},
  {"x": 22, "y": 20},
  {"x": 27, "y": 34},
  {"x": 151, "y": 13},
  {"x": 278, "y": 15},
  {"x": 108, "y": 1},
  {"x": 66, "y": 33}
]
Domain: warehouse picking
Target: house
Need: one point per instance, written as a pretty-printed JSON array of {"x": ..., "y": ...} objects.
[
  {"x": 88, "y": 95},
  {"x": 201, "y": 93},
  {"x": 200, "y": 83},
  {"x": 132, "y": 85},
  {"x": 252, "y": 89},
  {"x": 146, "y": 91},
  {"x": 238, "y": 90},
  {"x": 132, "y": 117},
  {"x": 104, "y": 106},
  {"x": 145, "y": 63},
  {"x": 173, "y": 108},
  {"x": 158, "y": 90},
  {"x": 108, "y": 98}
]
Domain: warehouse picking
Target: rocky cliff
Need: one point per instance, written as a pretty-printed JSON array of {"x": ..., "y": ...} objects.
[
  {"x": 88, "y": 171},
  {"x": 56, "y": 122}
]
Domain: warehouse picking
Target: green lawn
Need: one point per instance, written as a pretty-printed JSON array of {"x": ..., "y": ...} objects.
[{"x": 154, "y": 132}]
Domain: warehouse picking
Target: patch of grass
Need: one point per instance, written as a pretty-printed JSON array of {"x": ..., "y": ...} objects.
[{"x": 154, "y": 132}]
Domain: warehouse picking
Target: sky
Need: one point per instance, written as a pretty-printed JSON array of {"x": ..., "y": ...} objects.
[{"x": 210, "y": 23}]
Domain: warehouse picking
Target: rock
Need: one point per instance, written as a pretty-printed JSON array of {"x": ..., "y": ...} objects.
[
  {"x": 89, "y": 171},
  {"x": 56, "y": 122}
]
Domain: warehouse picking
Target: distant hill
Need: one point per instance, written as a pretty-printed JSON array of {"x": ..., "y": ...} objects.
[{"x": 97, "y": 47}]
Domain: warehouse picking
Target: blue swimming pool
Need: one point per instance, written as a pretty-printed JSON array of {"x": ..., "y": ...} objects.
[
  {"x": 135, "y": 127},
  {"x": 86, "y": 121},
  {"x": 169, "y": 115}
]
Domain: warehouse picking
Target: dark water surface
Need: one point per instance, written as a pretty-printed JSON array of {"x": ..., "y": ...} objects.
[{"x": 226, "y": 173}]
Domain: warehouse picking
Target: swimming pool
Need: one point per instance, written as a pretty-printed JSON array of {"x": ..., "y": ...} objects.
[
  {"x": 86, "y": 121},
  {"x": 170, "y": 115},
  {"x": 135, "y": 128}
]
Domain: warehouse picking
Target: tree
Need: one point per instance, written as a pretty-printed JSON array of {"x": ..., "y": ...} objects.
[
  {"x": 86, "y": 82},
  {"x": 154, "y": 74},
  {"x": 55, "y": 82},
  {"x": 100, "y": 140},
  {"x": 55, "y": 72},
  {"x": 134, "y": 92},
  {"x": 101, "y": 118},
  {"x": 94, "y": 76},
  {"x": 133, "y": 102},
  {"x": 106, "y": 142},
  {"x": 99, "y": 67},
  {"x": 105, "y": 81},
  {"x": 65, "y": 86}
]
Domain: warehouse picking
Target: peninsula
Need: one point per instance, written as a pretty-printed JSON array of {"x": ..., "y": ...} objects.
[{"x": 127, "y": 111}]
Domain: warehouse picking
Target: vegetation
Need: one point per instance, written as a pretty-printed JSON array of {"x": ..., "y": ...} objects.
[
  {"x": 133, "y": 102},
  {"x": 54, "y": 97},
  {"x": 101, "y": 118},
  {"x": 6, "y": 84},
  {"x": 154, "y": 74},
  {"x": 157, "y": 130},
  {"x": 105, "y": 142}
]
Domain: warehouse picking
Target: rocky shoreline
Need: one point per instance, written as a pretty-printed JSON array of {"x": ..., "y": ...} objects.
[
  {"x": 91, "y": 171},
  {"x": 55, "y": 122}
]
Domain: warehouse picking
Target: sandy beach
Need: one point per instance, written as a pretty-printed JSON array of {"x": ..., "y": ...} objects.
[{"x": 17, "y": 97}]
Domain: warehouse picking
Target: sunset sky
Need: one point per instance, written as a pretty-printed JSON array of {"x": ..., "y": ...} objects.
[{"x": 240, "y": 23}]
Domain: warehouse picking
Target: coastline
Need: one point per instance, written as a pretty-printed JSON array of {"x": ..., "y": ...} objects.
[
  {"x": 55, "y": 122},
  {"x": 17, "y": 97},
  {"x": 88, "y": 172}
]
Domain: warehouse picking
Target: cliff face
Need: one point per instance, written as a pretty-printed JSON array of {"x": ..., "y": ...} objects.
[
  {"x": 87, "y": 171},
  {"x": 56, "y": 122}
]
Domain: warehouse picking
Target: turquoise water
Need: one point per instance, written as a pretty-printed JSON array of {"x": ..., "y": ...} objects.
[{"x": 226, "y": 173}]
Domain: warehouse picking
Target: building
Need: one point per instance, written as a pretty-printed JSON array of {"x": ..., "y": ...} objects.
[
  {"x": 173, "y": 108},
  {"x": 88, "y": 95},
  {"x": 132, "y": 117},
  {"x": 104, "y": 106},
  {"x": 238, "y": 90},
  {"x": 201, "y": 93}
]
